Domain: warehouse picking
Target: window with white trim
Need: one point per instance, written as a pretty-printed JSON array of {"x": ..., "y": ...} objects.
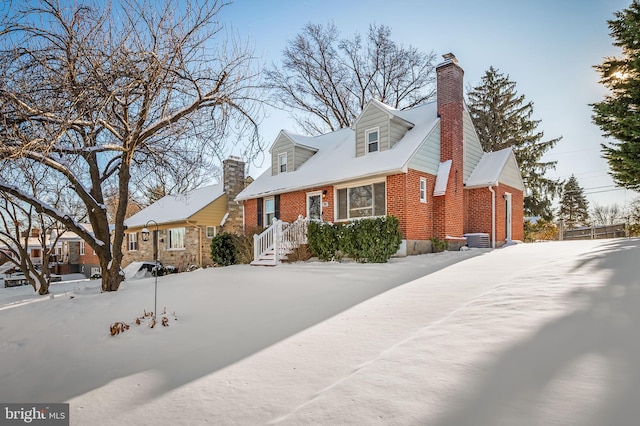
[
  {"x": 175, "y": 238},
  {"x": 132, "y": 242},
  {"x": 423, "y": 190},
  {"x": 269, "y": 210},
  {"x": 372, "y": 139},
  {"x": 81, "y": 248},
  {"x": 361, "y": 201},
  {"x": 211, "y": 231},
  {"x": 282, "y": 162}
]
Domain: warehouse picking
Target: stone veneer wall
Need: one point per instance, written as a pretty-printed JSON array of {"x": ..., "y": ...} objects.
[{"x": 233, "y": 177}]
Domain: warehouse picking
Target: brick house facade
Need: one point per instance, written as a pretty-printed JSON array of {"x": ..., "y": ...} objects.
[{"x": 424, "y": 165}]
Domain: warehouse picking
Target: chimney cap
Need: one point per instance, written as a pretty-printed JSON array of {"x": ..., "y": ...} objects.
[{"x": 450, "y": 57}]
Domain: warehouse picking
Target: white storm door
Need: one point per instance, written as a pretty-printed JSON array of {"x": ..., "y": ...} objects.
[{"x": 314, "y": 206}]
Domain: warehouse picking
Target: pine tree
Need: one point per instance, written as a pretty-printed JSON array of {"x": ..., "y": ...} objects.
[
  {"x": 618, "y": 115},
  {"x": 502, "y": 119},
  {"x": 574, "y": 207}
]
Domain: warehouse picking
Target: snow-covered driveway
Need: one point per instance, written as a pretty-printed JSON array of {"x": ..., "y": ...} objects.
[{"x": 532, "y": 334}]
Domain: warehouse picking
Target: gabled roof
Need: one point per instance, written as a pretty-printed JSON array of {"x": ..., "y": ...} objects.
[
  {"x": 336, "y": 161},
  {"x": 176, "y": 208},
  {"x": 308, "y": 142},
  {"x": 489, "y": 169},
  {"x": 391, "y": 112}
]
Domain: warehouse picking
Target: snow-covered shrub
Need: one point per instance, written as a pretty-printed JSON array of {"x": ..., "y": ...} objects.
[
  {"x": 365, "y": 240},
  {"x": 322, "y": 239},
  {"x": 372, "y": 240}
]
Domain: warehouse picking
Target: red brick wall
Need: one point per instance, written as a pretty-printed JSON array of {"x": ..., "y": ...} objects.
[
  {"x": 396, "y": 199},
  {"x": 292, "y": 204},
  {"x": 403, "y": 202},
  {"x": 478, "y": 211},
  {"x": 478, "y": 218},
  {"x": 250, "y": 214}
]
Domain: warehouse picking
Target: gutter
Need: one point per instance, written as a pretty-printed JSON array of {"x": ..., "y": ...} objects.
[{"x": 334, "y": 182}]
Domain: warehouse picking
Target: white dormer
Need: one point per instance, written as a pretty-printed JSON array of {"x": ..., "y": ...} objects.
[{"x": 378, "y": 128}]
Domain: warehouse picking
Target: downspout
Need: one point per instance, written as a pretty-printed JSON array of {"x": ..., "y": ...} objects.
[{"x": 493, "y": 216}]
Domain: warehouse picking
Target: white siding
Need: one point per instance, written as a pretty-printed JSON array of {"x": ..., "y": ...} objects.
[
  {"x": 372, "y": 117},
  {"x": 397, "y": 129},
  {"x": 511, "y": 174},
  {"x": 427, "y": 158},
  {"x": 472, "y": 147},
  {"x": 300, "y": 156}
]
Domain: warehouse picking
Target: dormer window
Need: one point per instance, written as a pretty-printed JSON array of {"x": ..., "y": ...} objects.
[
  {"x": 282, "y": 162},
  {"x": 372, "y": 137}
]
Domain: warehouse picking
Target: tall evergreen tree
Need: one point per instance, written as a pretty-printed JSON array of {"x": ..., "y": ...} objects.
[
  {"x": 574, "y": 207},
  {"x": 502, "y": 118},
  {"x": 618, "y": 115}
]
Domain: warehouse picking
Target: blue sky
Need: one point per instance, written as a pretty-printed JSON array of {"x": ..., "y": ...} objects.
[{"x": 547, "y": 47}]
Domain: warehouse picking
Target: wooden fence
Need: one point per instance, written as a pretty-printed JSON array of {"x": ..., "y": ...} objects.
[{"x": 595, "y": 232}]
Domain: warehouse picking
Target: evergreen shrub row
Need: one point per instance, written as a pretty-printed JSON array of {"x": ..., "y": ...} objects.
[{"x": 372, "y": 240}]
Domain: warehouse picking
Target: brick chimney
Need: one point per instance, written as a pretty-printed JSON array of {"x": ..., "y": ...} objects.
[
  {"x": 233, "y": 178},
  {"x": 449, "y": 208}
]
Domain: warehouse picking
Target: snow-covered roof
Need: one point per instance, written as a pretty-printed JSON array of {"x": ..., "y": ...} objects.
[
  {"x": 336, "y": 161},
  {"x": 392, "y": 112},
  {"x": 488, "y": 170},
  {"x": 175, "y": 208},
  {"x": 308, "y": 142},
  {"x": 71, "y": 236}
]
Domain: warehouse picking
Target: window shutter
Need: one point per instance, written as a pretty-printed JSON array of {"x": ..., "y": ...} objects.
[
  {"x": 260, "y": 213},
  {"x": 277, "y": 206}
]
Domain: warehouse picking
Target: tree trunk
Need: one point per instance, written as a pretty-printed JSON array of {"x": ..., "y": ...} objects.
[
  {"x": 111, "y": 279},
  {"x": 44, "y": 285}
]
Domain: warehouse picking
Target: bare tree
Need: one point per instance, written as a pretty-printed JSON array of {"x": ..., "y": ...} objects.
[
  {"x": 94, "y": 91},
  {"x": 327, "y": 81},
  {"x": 606, "y": 215},
  {"x": 22, "y": 230}
]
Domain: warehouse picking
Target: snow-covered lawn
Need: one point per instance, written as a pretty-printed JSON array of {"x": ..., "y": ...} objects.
[{"x": 531, "y": 334}]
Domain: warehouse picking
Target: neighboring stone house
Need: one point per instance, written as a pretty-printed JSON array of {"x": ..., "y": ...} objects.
[
  {"x": 424, "y": 165},
  {"x": 187, "y": 222}
]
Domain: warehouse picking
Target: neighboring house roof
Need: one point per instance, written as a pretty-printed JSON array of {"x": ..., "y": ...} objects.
[
  {"x": 176, "y": 208},
  {"x": 335, "y": 160},
  {"x": 494, "y": 167},
  {"x": 72, "y": 236}
]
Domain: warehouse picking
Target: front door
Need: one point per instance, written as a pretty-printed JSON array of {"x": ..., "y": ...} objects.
[{"x": 314, "y": 206}]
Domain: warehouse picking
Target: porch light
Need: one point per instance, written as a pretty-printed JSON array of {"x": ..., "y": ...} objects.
[{"x": 145, "y": 234}]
